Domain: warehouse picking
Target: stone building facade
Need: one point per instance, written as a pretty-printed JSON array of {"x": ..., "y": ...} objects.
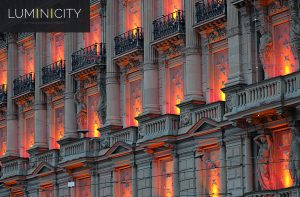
[{"x": 162, "y": 98}]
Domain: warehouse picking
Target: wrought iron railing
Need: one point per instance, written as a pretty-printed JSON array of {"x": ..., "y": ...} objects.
[
  {"x": 24, "y": 84},
  {"x": 94, "y": 54},
  {"x": 53, "y": 72},
  {"x": 3, "y": 93},
  {"x": 169, "y": 24},
  {"x": 133, "y": 39},
  {"x": 209, "y": 10}
]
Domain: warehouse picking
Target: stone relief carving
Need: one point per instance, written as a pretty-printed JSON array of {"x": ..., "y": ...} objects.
[
  {"x": 265, "y": 47},
  {"x": 185, "y": 119},
  {"x": 104, "y": 140},
  {"x": 229, "y": 103},
  {"x": 81, "y": 107},
  {"x": 294, "y": 162},
  {"x": 217, "y": 34},
  {"x": 278, "y": 6},
  {"x": 264, "y": 143},
  {"x": 101, "y": 108}
]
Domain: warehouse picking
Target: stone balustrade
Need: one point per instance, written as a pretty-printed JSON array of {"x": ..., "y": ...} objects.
[
  {"x": 158, "y": 127},
  {"x": 17, "y": 167},
  {"x": 214, "y": 111},
  {"x": 49, "y": 157},
  {"x": 84, "y": 147},
  {"x": 288, "y": 192},
  {"x": 127, "y": 135}
]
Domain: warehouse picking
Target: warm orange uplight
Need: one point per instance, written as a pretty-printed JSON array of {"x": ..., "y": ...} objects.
[
  {"x": 214, "y": 190},
  {"x": 96, "y": 132},
  {"x": 134, "y": 104},
  {"x": 171, "y": 6},
  {"x": 57, "y": 47},
  {"x": 133, "y": 14},
  {"x": 93, "y": 120},
  {"x": 93, "y": 36},
  {"x": 288, "y": 182},
  {"x": 174, "y": 15},
  {"x": 3, "y": 70},
  {"x": 176, "y": 89},
  {"x": 28, "y": 60}
]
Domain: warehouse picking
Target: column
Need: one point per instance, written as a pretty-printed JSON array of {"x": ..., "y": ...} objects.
[
  {"x": 235, "y": 77},
  {"x": 12, "y": 124},
  {"x": 176, "y": 175},
  {"x": 70, "y": 105},
  {"x": 40, "y": 133},
  {"x": 134, "y": 180},
  {"x": 192, "y": 71},
  {"x": 249, "y": 164},
  {"x": 223, "y": 171},
  {"x": 151, "y": 74},
  {"x": 94, "y": 182},
  {"x": 112, "y": 77},
  {"x": 56, "y": 190}
]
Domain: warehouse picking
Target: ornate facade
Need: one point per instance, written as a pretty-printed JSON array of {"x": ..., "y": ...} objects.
[{"x": 162, "y": 98}]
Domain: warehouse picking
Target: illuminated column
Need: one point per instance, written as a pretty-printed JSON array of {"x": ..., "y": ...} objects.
[
  {"x": 12, "y": 124},
  {"x": 176, "y": 175},
  {"x": 223, "y": 171},
  {"x": 70, "y": 106},
  {"x": 40, "y": 133},
  {"x": 249, "y": 164},
  {"x": 134, "y": 180},
  {"x": 112, "y": 77},
  {"x": 235, "y": 77},
  {"x": 151, "y": 74},
  {"x": 192, "y": 74}
]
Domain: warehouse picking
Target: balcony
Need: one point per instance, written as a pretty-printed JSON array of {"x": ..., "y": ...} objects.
[
  {"x": 127, "y": 135},
  {"x": 266, "y": 95},
  {"x": 210, "y": 14},
  {"x": 169, "y": 25},
  {"x": 17, "y": 167},
  {"x": 87, "y": 60},
  {"x": 50, "y": 157},
  {"x": 3, "y": 95},
  {"x": 288, "y": 192},
  {"x": 77, "y": 152},
  {"x": 23, "y": 86},
  {"x": 53, "y": 74},
  {"x": 214, "y": 111},
  {"x": 166, "y": 125}
]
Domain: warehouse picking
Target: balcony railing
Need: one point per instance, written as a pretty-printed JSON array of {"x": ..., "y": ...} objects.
[
  {"x": 169, "y": 25},
  {"x": 214, "y": 111},
  {"x": 16, "y": 167},
  {"x": 131, "y": 40},
  {"x": 49, "y": 157},
  {"x": 3, "y": 93},
  {"x": 127, "y": 135},
  {"x": 210, "y": 10},
  {"x": 82, "y": 148},
  {"x": 161, "y": 126},
  {"x": 53, "y": 72},
  {"x": 24, "y": 84},
  {"x": 271, "y": 91},
  {"x": 287, "y": 192},
  {"x": 91, "y": 55}
]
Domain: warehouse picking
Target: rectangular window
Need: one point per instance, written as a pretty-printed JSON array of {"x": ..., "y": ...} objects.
[
  {"x": 2, "y": 141},
  {"x": 59, "y": 124},
  {"x": 93, "y": 120},
  {"x": 29, "y": 135},
  {"x": 28, "y": 60},
  {"x": 175, "y": 90},
  {"x": 170, "y": 6},
  {"x": 124, "y": 182},
  {"x": 93, "y": 36},
  {"x": 164, "y": 177},
  {"x": 134, "y": 101},
  {"x": 47, "y": 191},
  {"x": 133, "y": 14},
  {"x": 57, "y": 47},
  {"x": 83, "y": 187},
  {"x": 219, "y": 74},
  {"x": 210, "y": 172}
]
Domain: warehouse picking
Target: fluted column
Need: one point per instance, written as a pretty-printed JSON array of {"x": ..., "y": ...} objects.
[
  {"x": 151, "y": 74},
  {"x": 249, "y": 164},
  {"x": 112, "y": 77},
  {"x": 235, "y": 77},
  {"x": 70, "y": 106},
  {"x": 12, "y": 124},
  {"x": 192, "y": 73},
  {"x": 40, "y": 133}
]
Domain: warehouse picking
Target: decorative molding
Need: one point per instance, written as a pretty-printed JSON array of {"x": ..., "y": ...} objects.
[
  {"x": 217, "y": 35},
  {"x": 278, "y": 6}
]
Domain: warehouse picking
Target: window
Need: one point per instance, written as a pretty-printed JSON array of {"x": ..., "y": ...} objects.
[
  {"x": 47, "y": 191},
  {"x": 124, "y": 182},
  {"x": 219, "y": 71},
  {"x": 28, "y": 141},
  {"x": 83, "y": 187},
  {"x": 93, "y": 36},
  {"x": 134, "y": 101},
  {"x": 164, "y": 177},
  {"x": 210, "y": 172},
  {"x": 2, "y": 141},
  {"x": 59, "y": 123},
  {"x": 170, "y": 6},
  {"x": 28, "y": 60},
  {"x": 57, "y": 47},
  {"x": 175, "y": 91},
  {"x": 132, "y": 14},
  {"x": 93, "y": 120}
]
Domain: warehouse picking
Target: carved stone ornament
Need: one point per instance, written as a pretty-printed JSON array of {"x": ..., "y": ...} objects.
[
  {"x": 104, "y": 140},
  {"x": 101, "y": 108},
  {"x": 294, "y": 160},
  {"x": 229, "y": 103},
  {"x": 278, "y": 6},
  {"x": 185, "y": 119},
  {"x": 217, "y": 35},
  {"x": 266, "y": 48},
  {"x": 81, "y": 107}
]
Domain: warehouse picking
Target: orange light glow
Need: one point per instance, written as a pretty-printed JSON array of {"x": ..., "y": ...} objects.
[
  {"x": 172, "y": 6},
  {"x": 93, "y": 36},
  {"x": 57, "y": 47},
  {"x": 93, "y": 120},
  {"x": 133, "y": 14},
  {"x": 3, "y": 70},
  {"x": 28, "y": 60},
  {"x": 96, "y": 132},
  {"x": 134, "y": 104},
  {"x": 124, "y": 182},
  {"x": 164, "y": 177},
  {"x": 288, "y": 182},
  {"x": 2, "y": 141},
  {"x": 58, "y": 128},
  {"x": 214, "y": 190},
  {"x": 175, "y": 92}
]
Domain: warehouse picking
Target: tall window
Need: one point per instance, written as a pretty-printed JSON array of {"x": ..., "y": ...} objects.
[
  {"x": 59, "y": 123},
  {"x": 57, "y": 47},
  {"x": 28, "y": 141},
  {"x": 210, "y": 172},
  {"x": 170, "y": 6},
  {"x": 83, "y": 187},
  {"x": 93, "y": 36},
  {"x": 133, "y": 14},
  {"x": 219, "y": 71},
  {"x": 93, "y": 120},
  {"x": 2, "y": 141},
  {"x": 124, "y": 182},
  {"x": 134, "y": 101},
  {"x": 164, "y": 177},
  {"x": 28, "y": 59},
  {"x": 175, "y": 91},
  {"x": 3, "y": 69}
]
